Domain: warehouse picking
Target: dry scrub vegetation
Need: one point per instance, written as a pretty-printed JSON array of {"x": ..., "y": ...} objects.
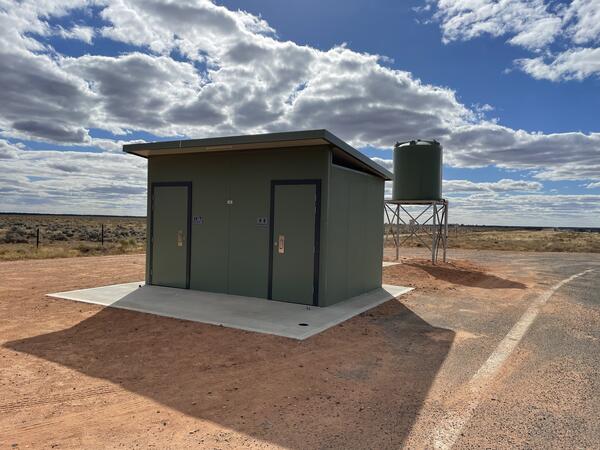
[
  {"x": 542, "y": 241},
  {"x": 67, "y": 236},
  {"x": 520, "y": 240}
]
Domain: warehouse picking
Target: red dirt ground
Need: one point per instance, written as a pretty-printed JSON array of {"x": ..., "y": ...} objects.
[
  {"x": 421, "y": 274},
  {"x": 75, "y": 375}
]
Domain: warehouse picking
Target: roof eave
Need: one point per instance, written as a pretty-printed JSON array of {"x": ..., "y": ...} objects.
[{"x": 287, "y": 139}]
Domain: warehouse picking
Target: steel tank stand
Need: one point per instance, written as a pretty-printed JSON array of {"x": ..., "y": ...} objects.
[{"x": 429, "y": 226}]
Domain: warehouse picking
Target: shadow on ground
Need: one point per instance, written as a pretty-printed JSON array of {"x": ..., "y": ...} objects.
[
  {"x": 357, "y": 385},
  {"x": 467, "y": 277}
]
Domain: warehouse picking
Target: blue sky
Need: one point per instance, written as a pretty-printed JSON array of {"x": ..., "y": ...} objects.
[
  {"x": 474, "y": 69},
  {"x": 511, "y": 89}
]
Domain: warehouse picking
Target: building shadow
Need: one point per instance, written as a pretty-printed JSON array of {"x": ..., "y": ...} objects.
[
  {"x": 465, "y": 277},
  {"x": 360, "y": 384}
]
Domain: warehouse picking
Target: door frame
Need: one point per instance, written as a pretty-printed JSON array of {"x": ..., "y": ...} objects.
[
  {"x": 317, "y": 243},
  {"x": 188, "y": 185}
]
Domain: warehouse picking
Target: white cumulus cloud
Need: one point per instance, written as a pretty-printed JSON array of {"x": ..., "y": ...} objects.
[
  {"x": 528, "y": 22},
  {"x": 233, "y": 75},
  {"x": 536, "y": 25},
  {"x": 78, "y": 32}
]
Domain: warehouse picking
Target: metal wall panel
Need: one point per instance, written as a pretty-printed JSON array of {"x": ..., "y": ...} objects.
[
  {"x": 249, "y": 182},
  {"x": 354, "y": 234},
  {"x": 210, "y": 233}
]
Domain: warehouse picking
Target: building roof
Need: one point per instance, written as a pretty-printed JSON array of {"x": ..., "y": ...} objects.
[{"x": 342, "y": 152}]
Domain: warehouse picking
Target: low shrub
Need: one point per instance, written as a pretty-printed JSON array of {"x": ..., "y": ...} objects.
[
  {"x": 86, "y": 248},
  {"x": 15, "y": 236}
]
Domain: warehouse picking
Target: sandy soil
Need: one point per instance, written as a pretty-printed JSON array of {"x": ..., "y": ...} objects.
[
  {"x": 420, "y": 273},
  {"x": 74, "y": 375}
]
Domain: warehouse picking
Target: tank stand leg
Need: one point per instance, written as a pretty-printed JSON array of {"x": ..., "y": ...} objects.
[
  {"x": 434, "y": 234},
  {"x": 397, "y": 232},
  {"x": 445, "y": 228}
]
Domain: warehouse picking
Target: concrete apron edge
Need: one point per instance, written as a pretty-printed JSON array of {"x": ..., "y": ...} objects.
[{"x": 340, "y": 312}]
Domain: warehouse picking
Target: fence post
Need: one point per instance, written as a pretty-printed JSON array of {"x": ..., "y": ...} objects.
[
  {"x": 102, "y": 235},
  {"x": 37, "y": 238}
]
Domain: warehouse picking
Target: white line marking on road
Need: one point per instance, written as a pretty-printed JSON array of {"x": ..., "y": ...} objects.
[{"x": 450, "y": 428}]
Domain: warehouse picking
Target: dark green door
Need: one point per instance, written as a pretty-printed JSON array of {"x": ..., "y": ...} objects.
[
  {"x": 170, "y": 235},
  {"x": 294, "y": 248}
]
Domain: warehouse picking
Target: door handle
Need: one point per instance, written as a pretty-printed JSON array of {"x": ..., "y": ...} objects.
[
  {"x": 179, "y": 238},
  {"x": 280, "y": 244}
]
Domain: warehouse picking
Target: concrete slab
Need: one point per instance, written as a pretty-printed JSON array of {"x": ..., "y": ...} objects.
[
  {"x": 233, "y": 311},
  {"x": 390, "y": 263}
]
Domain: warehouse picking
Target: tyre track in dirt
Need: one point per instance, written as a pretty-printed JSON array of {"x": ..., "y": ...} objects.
[{"x": 80, "y": 394}]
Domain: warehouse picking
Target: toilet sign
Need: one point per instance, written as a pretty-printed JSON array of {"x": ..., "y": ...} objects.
[{"x": 198, "y": 220}]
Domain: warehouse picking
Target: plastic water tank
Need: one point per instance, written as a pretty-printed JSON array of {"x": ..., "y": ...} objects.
[{"x": 417, "y": 171}]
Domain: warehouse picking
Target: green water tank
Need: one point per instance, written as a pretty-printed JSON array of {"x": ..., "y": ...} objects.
[{"x": 417, "y": 171}]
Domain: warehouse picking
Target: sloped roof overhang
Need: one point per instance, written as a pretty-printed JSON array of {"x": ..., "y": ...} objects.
[{"x": 342, "y": 151}]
